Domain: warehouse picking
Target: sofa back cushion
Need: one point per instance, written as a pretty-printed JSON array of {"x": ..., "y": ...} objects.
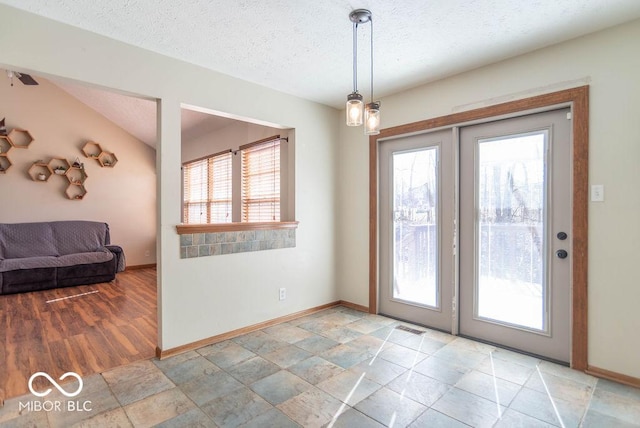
[
  {"x": 21, "y": 240},
  {"x": 55, "y": 238},
  {"x": 79, "y": 236}
]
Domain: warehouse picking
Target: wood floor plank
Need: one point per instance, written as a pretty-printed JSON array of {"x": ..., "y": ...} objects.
[
  {"x": 41, "y": 359},
  {"x": 59, "y": 328},
  {"x": 18, "y": 369},
  {"x": 146, "y": 327},
  {"x": 90, "y": 363},
  {"x": 114, "y": 334},
  {"x": 140, "y": 338},
  {"x": 3, "y": 349},
  {"x": 63, "y": 357},
  {"x": 86, "y": 334},
  {"x": 106, "y": 353}
]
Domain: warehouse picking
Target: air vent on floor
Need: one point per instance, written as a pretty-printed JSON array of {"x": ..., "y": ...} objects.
[{"x": 409, "y": 329}]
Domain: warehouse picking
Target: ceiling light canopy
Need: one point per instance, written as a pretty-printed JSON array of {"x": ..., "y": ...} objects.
[{"x": 356, "y": 111}]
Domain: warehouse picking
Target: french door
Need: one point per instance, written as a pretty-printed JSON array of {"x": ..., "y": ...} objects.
[
  {"x": 515, "y": 221},
  {"x": 512, "y": 270},
  {"x": 416, "y": 225}
]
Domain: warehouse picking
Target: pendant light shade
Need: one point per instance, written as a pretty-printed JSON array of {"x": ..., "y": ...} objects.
[
  {"x": 355, "y": 109},
  {"x": 372, "y": 119},
  {"x": 356, "y": 113}
]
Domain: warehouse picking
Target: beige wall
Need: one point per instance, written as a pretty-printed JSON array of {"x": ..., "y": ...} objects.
[
  {"x": 210, "y": 295},
  {"x": 232, "y": 136},
  {"x": 609, "y": 62},
  {"x": 205, "y": 296},
  {"x": 123, "y": 196}
]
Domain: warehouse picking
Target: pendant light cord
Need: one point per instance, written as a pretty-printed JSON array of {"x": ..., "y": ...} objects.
[
  {"x": 371, "y": 21},
  {"x": 355, "y": 57}
]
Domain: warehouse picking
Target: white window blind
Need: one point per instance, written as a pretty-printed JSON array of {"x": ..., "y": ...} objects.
[
  {"x": 261, "y": 180},
  {"x": 207, "y": 190}
]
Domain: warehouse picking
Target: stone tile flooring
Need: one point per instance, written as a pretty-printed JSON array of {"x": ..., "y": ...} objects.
[{"x": 337, "y": 368}]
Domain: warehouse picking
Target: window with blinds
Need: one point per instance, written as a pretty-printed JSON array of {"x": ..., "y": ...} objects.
[
  {"x": 261, "y": 180},
  {"x": 207, "y": 190}
]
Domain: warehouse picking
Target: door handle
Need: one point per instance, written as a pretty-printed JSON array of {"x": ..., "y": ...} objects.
[{"x": 562, "y": 254}]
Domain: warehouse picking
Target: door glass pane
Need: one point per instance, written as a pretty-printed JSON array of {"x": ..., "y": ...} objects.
[
  {"x": 510, "y": 248},
  {"x": 415, "y": 226}
]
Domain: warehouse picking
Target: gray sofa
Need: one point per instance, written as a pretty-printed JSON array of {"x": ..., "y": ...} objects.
[{"x": 40, "y": 256}]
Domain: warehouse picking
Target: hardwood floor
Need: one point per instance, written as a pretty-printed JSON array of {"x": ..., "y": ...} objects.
[{"x": 112, "y": 324}]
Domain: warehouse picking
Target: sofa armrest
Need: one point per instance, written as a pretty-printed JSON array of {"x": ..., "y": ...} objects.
[{"x": 119, "y": 255}]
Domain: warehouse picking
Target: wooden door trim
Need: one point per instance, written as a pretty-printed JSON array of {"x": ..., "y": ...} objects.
[{"x": 578, "y": 98}]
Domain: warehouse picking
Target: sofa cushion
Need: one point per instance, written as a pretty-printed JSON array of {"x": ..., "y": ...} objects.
[
  {"x": 79, "y": 236},
  {"x": 29, "y": 263},
  {"x": 19, "y": 281},
  {"x": 22, "y": 240},
  {"x": 85, "y": 258},
  {"x": 49, "y": 261},
  {"x": 86, "y": 274}
]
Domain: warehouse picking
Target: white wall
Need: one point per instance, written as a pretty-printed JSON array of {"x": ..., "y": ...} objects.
[
  {"x": 609, "y": 62},
  {"x": 209, "y": 295},
  {"x": 122, "y": 196}
]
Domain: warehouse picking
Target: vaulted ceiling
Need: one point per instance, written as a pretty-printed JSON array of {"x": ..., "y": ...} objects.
[{"x": 138, "y": 116}]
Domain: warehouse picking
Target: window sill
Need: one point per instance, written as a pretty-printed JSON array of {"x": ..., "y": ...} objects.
[{"x": 184, "y": 229}]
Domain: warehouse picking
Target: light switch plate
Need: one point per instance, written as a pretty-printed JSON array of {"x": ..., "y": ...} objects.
[{"x": 597, "y": 193}]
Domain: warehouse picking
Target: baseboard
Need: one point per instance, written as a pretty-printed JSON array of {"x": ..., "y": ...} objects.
[
  {"x": 354, "y": 306},
  {"x": 616, "y": 377},
  {"x": 161, "y": 354},
  {"x": 165, "y": 353},
  {"x": 136, "y": 267}
]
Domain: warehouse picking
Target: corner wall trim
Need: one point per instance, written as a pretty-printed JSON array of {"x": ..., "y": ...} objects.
[
  {"x": 616, "y": 377},
  {"x": 162, "y": 354}
]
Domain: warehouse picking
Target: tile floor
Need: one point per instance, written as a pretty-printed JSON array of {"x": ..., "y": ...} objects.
[{"x": 338, "y": 368}]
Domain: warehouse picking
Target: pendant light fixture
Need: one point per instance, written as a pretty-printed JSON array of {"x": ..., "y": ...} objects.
[{"x": 357, "y": 113}]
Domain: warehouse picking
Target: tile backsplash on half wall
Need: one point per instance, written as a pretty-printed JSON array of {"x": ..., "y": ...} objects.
[{"x": 218, "y": 243}]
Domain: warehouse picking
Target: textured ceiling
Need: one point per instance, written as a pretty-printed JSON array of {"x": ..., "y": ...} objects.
[{"x": 303, "y": 47}]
